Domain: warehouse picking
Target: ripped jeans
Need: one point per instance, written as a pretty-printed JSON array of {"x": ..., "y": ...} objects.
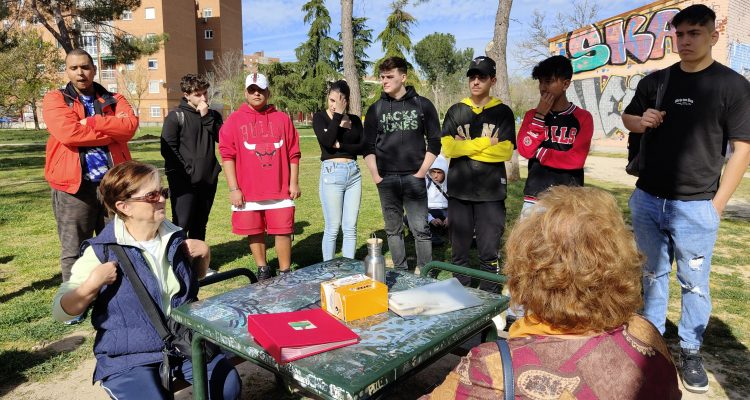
[{"x": 685, "y": 231}]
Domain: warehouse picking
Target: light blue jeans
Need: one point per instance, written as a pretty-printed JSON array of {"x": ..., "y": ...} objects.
[
  {"x": 340, "y": 195},
  {"x": 685, "y": 231}
]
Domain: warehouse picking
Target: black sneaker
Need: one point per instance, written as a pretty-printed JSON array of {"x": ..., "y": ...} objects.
[
  {"x": 691, "y": 369},
  {"x": 264, "y": 273}
]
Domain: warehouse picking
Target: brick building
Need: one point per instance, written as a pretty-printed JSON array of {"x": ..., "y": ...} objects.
[
  {"x": 259, "y": 57},
  {"x": 611, "y": 56}
]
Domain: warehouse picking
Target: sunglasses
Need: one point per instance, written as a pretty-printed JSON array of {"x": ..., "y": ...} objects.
[{"x": 152, "y": 197}]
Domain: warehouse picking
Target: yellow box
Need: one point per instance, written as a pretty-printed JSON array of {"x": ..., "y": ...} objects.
[{"x": 354, "y": 297}]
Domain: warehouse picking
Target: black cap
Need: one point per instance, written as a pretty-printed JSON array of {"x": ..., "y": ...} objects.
[{"x": 483, "y": 65}]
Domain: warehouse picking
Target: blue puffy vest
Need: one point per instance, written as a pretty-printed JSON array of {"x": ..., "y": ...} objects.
[{"x": 125, "y": 337}]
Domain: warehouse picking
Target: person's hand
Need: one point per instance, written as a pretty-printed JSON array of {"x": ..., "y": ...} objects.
[
  {"x": 294, "y": 191},
  {"x": 377, "y": 179},
  {"x": 417, "y": 175},
  {"x": 202, "y": 108},
  {"x": 436, "y": 223},
  {"x": 104, "y": 274},
  {"x": 545, "y": 103},
  {"x": 336, "y": 145},
  {"x": 494, "y": 140},
  {"x": 83, "y": 122},
  {"x": 718, "y": 206},
  {"x": 339, "y": 103},
  {"x": 236, "y": 198},
  {"x": 652, "y": 118},
  {"x": 459, "y": 137},
  {"x": 196, "y": 249}
]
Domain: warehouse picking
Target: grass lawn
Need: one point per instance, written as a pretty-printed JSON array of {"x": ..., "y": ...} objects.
[{"x": 30, "y": 272}]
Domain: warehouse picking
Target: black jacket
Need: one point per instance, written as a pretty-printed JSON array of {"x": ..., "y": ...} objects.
[
  {"x": 395, "y": 131},
  {"x": 188, "y": 144}
]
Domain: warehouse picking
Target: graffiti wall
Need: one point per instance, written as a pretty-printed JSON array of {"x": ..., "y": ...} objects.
[{"x": 610, "y": 57}]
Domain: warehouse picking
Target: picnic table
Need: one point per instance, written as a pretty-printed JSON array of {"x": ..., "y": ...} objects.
[{"x": 391, "y": 347}]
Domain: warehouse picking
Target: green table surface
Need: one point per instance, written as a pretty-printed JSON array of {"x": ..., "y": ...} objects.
[{"x": 390, "y": 345}]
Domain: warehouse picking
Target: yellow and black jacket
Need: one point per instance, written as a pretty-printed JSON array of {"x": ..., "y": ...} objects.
[{"x": 477, "y": 172}]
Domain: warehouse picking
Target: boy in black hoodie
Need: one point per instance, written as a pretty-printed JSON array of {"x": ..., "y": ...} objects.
[
  {"x": 396, "y": 129},
  {"x": 188, "y": 140}
]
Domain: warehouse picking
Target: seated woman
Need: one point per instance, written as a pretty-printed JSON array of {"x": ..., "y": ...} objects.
[
  {"x": 127, "y": 347},
  {"x": 574, "y": 267}
]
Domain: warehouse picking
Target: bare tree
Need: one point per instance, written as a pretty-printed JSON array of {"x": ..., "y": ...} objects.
[
  {"x": 134, "y": 84},
  {"x": 227, "y": 78},
  {"x": 497, "y": 51},
  {"x": 350, "y": 66},
  {"x": 536, "y": 47}
]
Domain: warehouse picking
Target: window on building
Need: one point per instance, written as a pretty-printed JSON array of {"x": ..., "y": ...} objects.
[
  {"x": 208, "y": 34},
  {"x": 153, "y": 86},
  {"x": 130, "y": 66},
  {"x": 209, "y": 55},
  {"x": 155, "y": 111},
  {"x": 150, "y": 13},
  {"x": 112, "y": 87},
  {"x": 150, "y": 35},
  {"x": 207, "y": 12},
  {"x": 153, "y": 63},
  {"x": 131, "y": 87},
  {"x": 127, "y": 15}
]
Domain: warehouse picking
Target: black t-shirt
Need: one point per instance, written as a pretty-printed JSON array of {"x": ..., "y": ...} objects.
[
  {"x": 683, "y": 157},
  {"x": 329, "y": 131}
]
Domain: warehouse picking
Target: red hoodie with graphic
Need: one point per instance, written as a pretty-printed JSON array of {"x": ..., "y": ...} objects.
[{"x": 263, "y": 145}]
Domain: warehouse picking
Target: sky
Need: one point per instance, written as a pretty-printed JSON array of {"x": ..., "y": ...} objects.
[{"x": 277, "y": 27}]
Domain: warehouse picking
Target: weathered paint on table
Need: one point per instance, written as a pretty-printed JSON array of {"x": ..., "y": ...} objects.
[{"x": 390, "y": 345}]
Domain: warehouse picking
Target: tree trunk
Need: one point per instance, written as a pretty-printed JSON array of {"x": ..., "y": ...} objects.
[
  {"x": 501, "y": 89},
  {"x": 34, "y": 112},
  {"x": 350, "y": 67}
]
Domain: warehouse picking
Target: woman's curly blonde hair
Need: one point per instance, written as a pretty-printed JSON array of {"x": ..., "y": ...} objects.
[{"x": 572, "y": 263}]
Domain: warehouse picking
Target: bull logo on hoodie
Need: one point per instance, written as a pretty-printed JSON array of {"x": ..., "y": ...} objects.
[{"x": 265, "y": 151}]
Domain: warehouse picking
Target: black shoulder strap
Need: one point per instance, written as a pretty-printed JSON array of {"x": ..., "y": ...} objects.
[
  {"x": 509, "y": 385},
  {"x": 180, "y": 118},
  {"x": 662, "y": 86},
  {"x": 154, "y": 314}
]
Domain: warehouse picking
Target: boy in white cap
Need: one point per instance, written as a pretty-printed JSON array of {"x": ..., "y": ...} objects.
[{"x": 259, "y": 147}]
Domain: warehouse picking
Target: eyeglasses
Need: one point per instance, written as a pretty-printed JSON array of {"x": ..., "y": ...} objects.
[{"x": 152, "y": 197}]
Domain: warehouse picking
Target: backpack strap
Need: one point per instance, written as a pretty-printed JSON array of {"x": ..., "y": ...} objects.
[
  {"x": 509, "y": 384},
  {"x": 180, "y": 118}
]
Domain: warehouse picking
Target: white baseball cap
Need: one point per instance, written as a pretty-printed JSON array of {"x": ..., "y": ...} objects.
[{"x": 256, "y": 79}]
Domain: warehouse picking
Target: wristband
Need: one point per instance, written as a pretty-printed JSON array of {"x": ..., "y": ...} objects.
[
  {"x": 234, "y": 190},
  {"x": 540, "y": 115}
]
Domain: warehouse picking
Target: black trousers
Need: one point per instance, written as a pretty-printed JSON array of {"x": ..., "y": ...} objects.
[
  {"x": 486, "y": 220},
  {"x": 191, "y": 205}
]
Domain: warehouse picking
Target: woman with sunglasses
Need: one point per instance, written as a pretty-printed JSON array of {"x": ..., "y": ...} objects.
[{"x": 127, "y": 347}]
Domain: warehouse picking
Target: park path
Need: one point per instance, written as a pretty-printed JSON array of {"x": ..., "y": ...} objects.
[{"x": 260, "y": 384}]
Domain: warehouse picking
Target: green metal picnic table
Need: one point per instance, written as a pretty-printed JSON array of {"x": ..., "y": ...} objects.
[{"x": 391, "y": 347}]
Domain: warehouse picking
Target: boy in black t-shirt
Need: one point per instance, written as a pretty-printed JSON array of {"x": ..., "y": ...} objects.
[{"x": 677, "y": 203}]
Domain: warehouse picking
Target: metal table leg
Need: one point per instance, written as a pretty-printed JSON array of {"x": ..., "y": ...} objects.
[{"x": 200, "y": 376}]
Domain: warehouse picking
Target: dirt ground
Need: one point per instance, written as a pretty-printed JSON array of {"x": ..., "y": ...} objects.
[{"x": 260, "y": 384}]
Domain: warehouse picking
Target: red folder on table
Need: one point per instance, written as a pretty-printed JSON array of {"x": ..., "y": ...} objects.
[{"x": 292, "y": 335}]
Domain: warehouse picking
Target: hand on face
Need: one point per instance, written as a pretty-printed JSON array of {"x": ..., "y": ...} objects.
[
  {"x": 202, "y": 107},
  {"x": 339, "y": 104},
  {"x": 546, "y": 101}
]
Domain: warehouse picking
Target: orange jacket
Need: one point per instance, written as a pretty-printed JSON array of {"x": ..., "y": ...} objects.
[{"x": 62, "y": 168}]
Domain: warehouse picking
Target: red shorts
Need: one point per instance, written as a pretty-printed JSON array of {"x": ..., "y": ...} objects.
[{"x": 277, "y": 221}]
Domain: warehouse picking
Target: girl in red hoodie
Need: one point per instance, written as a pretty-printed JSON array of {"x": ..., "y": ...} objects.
[{"x": 259, "y": 148}]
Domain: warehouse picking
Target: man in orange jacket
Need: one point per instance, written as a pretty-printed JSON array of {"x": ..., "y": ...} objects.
[{"x": 89, "y": 129}]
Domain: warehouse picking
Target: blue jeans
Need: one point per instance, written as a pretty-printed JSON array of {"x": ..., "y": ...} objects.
[
  {"x": 340, "y": 195},
  {"x": 399, "y": 193},
  {"x": 685, "y": 231},
  {"x": 143, "y": 382}
]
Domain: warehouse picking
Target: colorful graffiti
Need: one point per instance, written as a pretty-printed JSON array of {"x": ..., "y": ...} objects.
[
  {"x": 605, "y": 97},
  {"x": 638, "y": 38}
]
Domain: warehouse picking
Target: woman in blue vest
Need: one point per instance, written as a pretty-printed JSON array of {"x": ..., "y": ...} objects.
[{"x": 127, "y": 347}]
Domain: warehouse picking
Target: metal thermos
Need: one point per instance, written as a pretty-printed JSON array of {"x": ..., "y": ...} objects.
[{"x": 375, "y": 262}]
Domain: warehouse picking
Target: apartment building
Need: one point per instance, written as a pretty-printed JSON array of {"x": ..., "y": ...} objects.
[
  {"x": 199, "y": 32},
  {"x": 252, "y": 61}
]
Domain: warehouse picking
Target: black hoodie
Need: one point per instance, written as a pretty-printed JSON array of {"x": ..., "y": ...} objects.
[
  {"x": 395, "y": 131},
  {"x": 188, "y": 146}
]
